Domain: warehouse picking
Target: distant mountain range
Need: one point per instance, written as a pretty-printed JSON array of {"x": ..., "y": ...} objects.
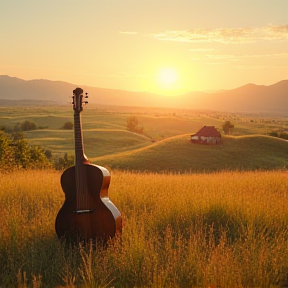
[{"x": 248, "y": 98}]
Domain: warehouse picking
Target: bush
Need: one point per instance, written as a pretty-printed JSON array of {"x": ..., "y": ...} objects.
[
  {"x": 27, "y": 126},
  {"x": 68, "y": 126},
  {"x": 283, "y": 136},
  {"x": 273, "y": 134},
  {"x": 64, "y": 162},
  {"x": 15, "y": 152},
  {"x": 23, "y": 126}
]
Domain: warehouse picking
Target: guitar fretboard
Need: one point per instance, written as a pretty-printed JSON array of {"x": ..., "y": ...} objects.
[{"x": 78, "y": 138}]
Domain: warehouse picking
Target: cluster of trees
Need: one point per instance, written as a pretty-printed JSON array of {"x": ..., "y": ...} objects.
[
  {"x": 21, "y": 127},
  {"x": 29, "y": 125},
  {"x": 16, "y": 153}
]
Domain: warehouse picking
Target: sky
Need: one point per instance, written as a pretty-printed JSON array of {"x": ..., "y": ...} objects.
[{"x": 162, "y": 46}]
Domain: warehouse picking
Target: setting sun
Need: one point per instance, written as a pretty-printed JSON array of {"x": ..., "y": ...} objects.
[
  {"x": 167, "y": 77},
  {"x": 168, "y": 81}
]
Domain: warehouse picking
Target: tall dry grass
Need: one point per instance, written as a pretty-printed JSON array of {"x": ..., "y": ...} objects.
[{"x": 225, "y": 229}]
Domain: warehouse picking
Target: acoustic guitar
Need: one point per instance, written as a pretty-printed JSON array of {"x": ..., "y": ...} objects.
[{"x": 87, "y": 213}]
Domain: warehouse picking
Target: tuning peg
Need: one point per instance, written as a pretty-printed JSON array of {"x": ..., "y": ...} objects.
[
  {"x": 85, "y": 102},
  {"x": 86, "y": 95}
]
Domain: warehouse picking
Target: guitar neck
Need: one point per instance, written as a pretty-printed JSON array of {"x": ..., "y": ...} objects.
[{"x": 80, "y": 156}]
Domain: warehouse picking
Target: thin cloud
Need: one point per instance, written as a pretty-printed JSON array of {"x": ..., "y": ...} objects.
[
  {"x": 128, "y": 32},
  {"x": 271, "y": 55},
  {"x": 119, "y": 75},
  {"x": 222, "y": 57},
  {"x": 130, "y": 75},
  {"x": 226, "y": 35},
  {"x": 216, "y": 63},
  {"x": 201, "y": 49},
  {"x": 258, "y": 67},
  {"x": 237, "y": 57}
]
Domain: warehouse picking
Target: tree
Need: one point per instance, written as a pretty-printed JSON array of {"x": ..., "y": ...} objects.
[
  {"x": 68, "y": 125},
  {"x": 6, "y": 152},
  {"x": 21, "y": 153},
  {"x": 132, "y": 125},
  {"x": 37, "y": 158},
  {"x": 227, "y": 127},
  {"x": 27, "y": 126}
]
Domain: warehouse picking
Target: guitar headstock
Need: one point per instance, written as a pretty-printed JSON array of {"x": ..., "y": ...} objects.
[{"x": 78, "y": 100}]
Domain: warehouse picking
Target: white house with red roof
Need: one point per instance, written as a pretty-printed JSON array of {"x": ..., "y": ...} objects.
[{"x": 207, "y": 135}]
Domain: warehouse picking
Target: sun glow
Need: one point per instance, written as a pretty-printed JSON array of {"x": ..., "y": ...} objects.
[
  {"x": 167, "y": 81},
  {"x": 167, "y": 77}
]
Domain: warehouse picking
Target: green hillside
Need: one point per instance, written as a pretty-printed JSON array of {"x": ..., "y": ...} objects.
[
  {"x": 98, "y": 142},
  {"x": 107, "y": 141},
  {"x": 178, "y": 154}
]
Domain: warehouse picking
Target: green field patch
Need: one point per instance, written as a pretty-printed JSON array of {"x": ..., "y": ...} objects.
[
  {"x": 96, "y": 142},
  {"x": 107, "y": 142},
  {"x": 105, "y": 135},
  {"x": 178, "y": 154},
  {"x": 52, "y": 122}
]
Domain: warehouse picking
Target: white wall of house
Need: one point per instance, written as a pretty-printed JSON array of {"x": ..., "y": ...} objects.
[{"x": 212, "y": 140}]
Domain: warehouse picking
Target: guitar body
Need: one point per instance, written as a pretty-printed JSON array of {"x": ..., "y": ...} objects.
[
  {"x": 99, "y": 219},
  {"x": 87, "y": 212}
]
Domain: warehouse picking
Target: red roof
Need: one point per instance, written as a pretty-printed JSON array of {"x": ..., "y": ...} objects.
[{"x": 208, "y": 131}]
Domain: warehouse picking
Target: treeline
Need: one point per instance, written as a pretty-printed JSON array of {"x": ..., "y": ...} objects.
[
  {"x": 29, "y": 125},
  {"x": 21, "y": 127},
  {"x": 15, "y": 153},
  {"x": 283, "y": 135}
]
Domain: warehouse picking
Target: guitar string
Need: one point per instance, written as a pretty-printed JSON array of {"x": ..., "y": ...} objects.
[
  {"x": 82, "y": 169},
  {"x": 81, "y": 185},
  {"x": 77, "y": 162}
]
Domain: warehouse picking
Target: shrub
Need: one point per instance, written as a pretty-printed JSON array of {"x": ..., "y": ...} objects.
[
  {"x": 15, "y": 152},
  {"x": 68, "y": 126},
  {"x": 27, "y": 126},
  {"x": 64, "y": 162}
]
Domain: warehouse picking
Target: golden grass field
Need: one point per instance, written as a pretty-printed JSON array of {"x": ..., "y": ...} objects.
[{"x": 225, "y": 229}]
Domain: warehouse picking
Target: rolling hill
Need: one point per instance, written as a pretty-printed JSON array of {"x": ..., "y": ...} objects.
[
  {"x": 98, "y": 142},
  {"x": 178, "y": 154},
  {"x": 248, "y": 98}
]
